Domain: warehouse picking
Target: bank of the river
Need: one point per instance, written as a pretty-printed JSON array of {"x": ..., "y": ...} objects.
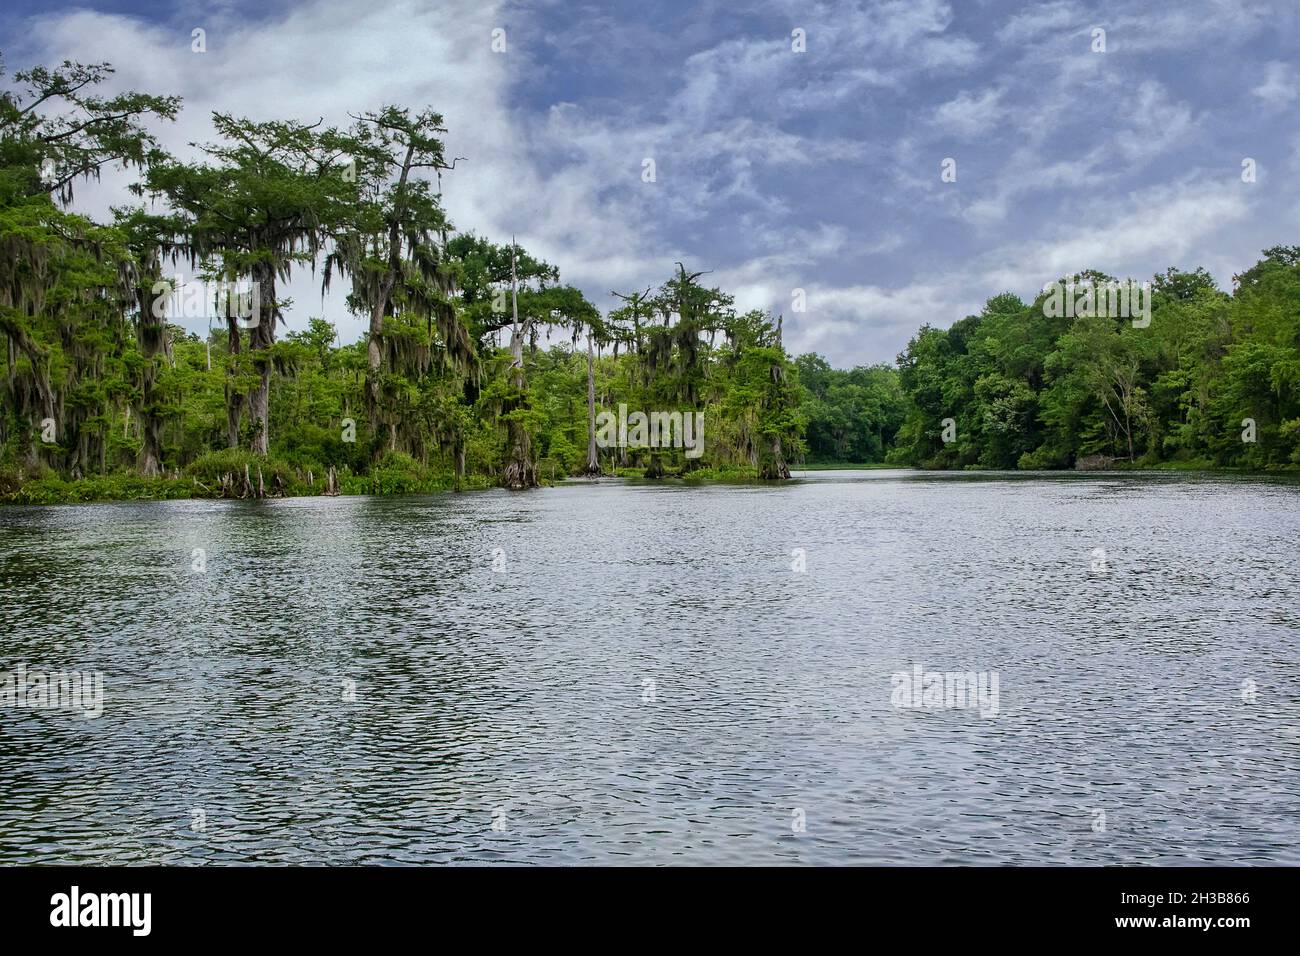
[
  {"x": 844, "y": 466},
  {"x": 125, "y": 487},
  {"x": 53, "y": 490},
  {"x": 1182, "y": 467}
]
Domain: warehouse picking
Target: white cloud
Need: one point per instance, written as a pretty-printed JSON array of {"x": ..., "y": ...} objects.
[
  {"x": 1059, "y": 17},
  {"x": 970, "y": 114},
  {"x": 1281, "y": 86},
  {"x": 776, "y": 170}
]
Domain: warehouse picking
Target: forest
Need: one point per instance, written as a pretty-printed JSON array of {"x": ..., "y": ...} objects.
[
  {"x": 1212, "y": 380},
  {"x": 480, "y": 367}
]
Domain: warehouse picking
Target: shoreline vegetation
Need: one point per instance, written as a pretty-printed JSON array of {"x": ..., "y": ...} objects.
[
  {"x": 477, "y": 367},
  {"x": 53, "y": 490}
]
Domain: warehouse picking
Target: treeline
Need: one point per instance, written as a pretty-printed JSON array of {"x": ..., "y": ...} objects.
[
  {"x": 478, "y": 366},
  {"x": 1206, "y": 379},
  {"x": 451, "y": 384}
]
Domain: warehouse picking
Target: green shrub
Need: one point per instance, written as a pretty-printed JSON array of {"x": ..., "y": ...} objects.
[
  {"x": 209, "y": 469},
  {"x": 722, "y": 473},
  {"x": 51, "y": 489}
]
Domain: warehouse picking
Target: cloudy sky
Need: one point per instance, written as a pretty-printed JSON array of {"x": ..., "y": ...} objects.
[{"x": 778, "y": 170}]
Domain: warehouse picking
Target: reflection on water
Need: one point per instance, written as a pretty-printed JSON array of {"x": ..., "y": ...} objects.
[{"x": 649, "y": 681}]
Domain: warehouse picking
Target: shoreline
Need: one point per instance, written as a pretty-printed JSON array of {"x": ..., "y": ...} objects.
[{"x": 48, "y": 492}]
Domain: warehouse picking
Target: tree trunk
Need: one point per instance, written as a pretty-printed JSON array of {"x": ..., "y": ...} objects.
[
  {"x": 260, "y": 339},
  {"x": 374, "y": 359},
  {"x": 234, "y": 397},
  {"x": 375, "y": 352},
  {"x": 379, "y": 307},
  {"x": 776, "y": 468},
  {"x": 593, "y": 457},
  {"x": 149, "y": 334},
  {"x": 259, "y": 405},
  {"x": 520, "y": 469}
]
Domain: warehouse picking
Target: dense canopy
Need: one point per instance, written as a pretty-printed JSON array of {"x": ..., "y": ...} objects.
[{"x": 480, "y": 366}]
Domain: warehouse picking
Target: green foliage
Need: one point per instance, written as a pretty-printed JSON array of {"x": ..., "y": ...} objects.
[
  {"x": 725, "y": 473},
  {"x": 119, "y": 487},
  {"x": 853, "y": 416},
  {"x": 1027, "y": 390},
  {"x": 101, "y": 397}
]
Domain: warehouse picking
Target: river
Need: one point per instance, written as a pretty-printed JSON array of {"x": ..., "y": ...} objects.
[{"x": 639, "y": 673}]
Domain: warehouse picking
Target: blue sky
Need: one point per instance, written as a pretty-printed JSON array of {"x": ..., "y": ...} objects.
[{"x": 776, "y": 170}]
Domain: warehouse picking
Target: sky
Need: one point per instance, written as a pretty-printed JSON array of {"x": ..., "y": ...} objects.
[{"x": 775, "y": 168}]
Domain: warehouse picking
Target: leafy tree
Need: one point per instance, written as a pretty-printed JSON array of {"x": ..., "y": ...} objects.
[
  {"x": 392, "y": 249},
  {"x": 271, "y": 196},
  {"x": 61, "y": 308}
]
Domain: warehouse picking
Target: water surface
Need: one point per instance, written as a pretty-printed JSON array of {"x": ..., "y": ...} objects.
[{"x": 649, "y": 680}]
